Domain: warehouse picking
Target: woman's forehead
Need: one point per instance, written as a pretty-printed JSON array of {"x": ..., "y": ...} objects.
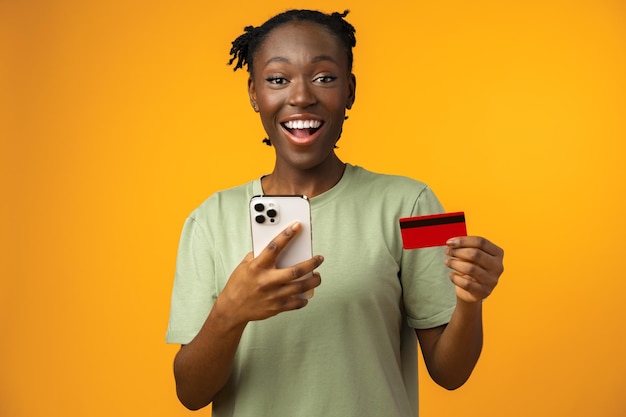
[{"x": 300, "y": 36}]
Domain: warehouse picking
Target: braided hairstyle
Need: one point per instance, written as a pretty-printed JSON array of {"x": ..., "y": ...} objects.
[{"x": 246, "y": 45}]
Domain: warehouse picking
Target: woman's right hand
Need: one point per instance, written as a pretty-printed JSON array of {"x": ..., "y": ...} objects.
[{"x": 257, "y": 289}]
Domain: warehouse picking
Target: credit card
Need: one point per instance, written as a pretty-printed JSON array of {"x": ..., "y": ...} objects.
[{"x": 431, "y": 230}]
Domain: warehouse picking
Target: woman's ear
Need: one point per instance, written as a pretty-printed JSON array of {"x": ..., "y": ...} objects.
[
  {"x": 252, "y": 94},
  {"x": 352, "y": 96}
]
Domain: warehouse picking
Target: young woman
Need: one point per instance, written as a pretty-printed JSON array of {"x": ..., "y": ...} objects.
[{"x": 250, "y": 345}]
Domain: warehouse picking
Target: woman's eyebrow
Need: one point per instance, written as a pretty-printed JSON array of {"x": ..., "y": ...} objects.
[
  {"x": 320, "y": 58},
  {"x": 315, "y": 59},
  {"x": 276, "y": 59}
]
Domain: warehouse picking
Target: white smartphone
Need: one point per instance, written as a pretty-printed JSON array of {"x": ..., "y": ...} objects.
[{"x": 270, "y": 215}]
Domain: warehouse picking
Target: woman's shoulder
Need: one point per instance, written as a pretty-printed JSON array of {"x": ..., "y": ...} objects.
[
  {"x": 390, "y": 194},
  {"x": 386, "y": 181}
]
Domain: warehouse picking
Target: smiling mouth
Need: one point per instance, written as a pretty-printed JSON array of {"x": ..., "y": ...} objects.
[{"x": 302, "y": 128}]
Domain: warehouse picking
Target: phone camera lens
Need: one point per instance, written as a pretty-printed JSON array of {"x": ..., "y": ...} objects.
[
  {"x": 260, "y": 219},
  {"x": 259, "y": 207},
  {"x": 271, "y": 213}
]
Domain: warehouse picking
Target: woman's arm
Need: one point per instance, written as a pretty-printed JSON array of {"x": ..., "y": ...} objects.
[
  {"x": 452, "y": 351},
  {"x": 256, "y": 290},
  {"x": 202, "y": 367}
]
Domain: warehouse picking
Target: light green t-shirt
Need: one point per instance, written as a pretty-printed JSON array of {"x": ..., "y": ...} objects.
[{"x": 352, "y": 350}]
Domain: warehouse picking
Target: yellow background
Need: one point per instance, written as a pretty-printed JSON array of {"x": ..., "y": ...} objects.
[{"x": 118, "y": 118}]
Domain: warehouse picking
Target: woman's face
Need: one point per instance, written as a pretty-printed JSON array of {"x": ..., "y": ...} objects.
[{"x": 301, "y": 86}]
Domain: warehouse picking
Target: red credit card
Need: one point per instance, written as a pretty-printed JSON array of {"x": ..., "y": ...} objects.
[{"x": 431, "y": 230}]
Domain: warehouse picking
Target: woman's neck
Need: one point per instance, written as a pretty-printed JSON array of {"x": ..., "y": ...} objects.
[{"x": 311, "y": 182}]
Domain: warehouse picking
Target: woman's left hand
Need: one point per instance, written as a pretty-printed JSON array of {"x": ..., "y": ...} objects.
[{"x": 476, "y": 265}]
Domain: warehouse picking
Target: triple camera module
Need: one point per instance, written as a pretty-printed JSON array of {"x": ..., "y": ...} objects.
[{"x": 269, "y": 213}]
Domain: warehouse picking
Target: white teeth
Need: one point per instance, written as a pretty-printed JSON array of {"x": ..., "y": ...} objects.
[{"x": 303, "y": 124}]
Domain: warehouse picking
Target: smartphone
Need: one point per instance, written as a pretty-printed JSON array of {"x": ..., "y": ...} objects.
[{"x": 270, "y": 215}]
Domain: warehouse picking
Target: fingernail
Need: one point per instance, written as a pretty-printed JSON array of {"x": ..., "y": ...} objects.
[
  {"x": 295, "y": 226},
  {"x": 452, "y": 242}
]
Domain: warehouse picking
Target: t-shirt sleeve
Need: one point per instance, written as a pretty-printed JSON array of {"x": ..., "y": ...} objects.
[
  {"x": 194, "y": 291},
  {"x": 429, "y": 295}
]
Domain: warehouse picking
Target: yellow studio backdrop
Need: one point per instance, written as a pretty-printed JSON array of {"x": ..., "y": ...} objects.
[{"x": 118, "y": 118}]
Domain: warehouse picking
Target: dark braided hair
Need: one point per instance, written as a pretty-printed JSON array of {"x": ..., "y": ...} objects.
[{"x": 245, "y": 46}]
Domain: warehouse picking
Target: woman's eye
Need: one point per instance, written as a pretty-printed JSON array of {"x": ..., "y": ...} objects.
[
  {"x": 276, "y": 80},
  {"x": 324, "y": 79}
]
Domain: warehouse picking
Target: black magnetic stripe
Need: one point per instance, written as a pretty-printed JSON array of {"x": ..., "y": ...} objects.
[{"x": 432, "y": 222}]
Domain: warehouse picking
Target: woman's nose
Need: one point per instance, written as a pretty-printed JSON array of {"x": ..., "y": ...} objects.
[{"x": 301, "y": 94}]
